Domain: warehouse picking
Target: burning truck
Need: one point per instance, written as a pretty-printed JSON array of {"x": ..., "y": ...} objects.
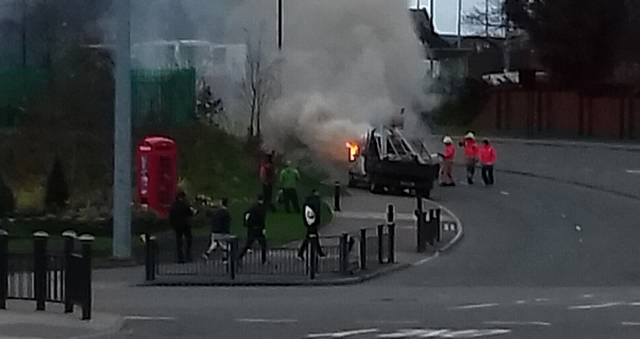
[{"x": 385, "y": 161}]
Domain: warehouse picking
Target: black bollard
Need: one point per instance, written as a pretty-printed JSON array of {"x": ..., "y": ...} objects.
[
  {"x": 40, "y": 269},
  {"x": 313, "y": 256},
  {"x": 391, "y": 258},
  {"x": 85, "y": 284},
  {"x": 336, "y": 196},
  {"x": 363, "y": 249},
  {"x": 380, "y": 244},
  {"x": 69, "y": 240},
  {"x": 4, "y": 268}
]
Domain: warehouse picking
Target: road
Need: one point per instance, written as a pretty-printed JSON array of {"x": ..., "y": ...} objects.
[{"x": 539, "y": 259}]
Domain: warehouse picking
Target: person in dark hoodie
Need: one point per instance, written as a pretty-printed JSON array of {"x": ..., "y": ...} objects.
[
  {"x": 311, "y": 217},
  {"x": 255, "y": 222},
  {"x": 220, "y": 229},
  {"x": 180, "y": 219}
]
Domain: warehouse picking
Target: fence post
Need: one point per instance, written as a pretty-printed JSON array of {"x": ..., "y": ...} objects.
[
  {"x": 391, "y": 259},
  {"x": 380, "y": 244},
  {"x": 149, "y": 258},
  {"x": 231, "y": 257},
  {"x": 344, "y": 253},
  {"x": 40, "y": 269},
  {"x": 69, "y": 239},
  {"x": 363, "y": 249},
  {"x": 313, "y": 256},
  {"x": 4, "y": 268},
  {"x": 336, "y": 196},
  {"x": 86, "y": 240}
]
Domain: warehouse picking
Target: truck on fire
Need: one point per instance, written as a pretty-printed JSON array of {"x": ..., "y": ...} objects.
[{"x": 385, "y": 161}]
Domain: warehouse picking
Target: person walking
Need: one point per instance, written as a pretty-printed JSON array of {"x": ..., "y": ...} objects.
[
  {"x": 470, "y": 155},
  {"x": 289, "y": 178},
  {"x": 446, "y": 170},
  {"x": 488, "y": 159},
  {"x": 255, "y": 222},
  {"x": 268, "y": 178},
  {"x": 312, "y": 210},
  {"x": 220, "y": 229},
  {"x": 180, "y": 216}
]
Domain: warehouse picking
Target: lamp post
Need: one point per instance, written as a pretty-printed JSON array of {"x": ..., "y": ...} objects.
[
  {"x": 459, "y": 23},
  {"x": 280, "y": 33},
  {"x": 122, "y": 137}
]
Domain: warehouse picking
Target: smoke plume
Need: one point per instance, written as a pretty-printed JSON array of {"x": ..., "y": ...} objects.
[{"x": 347, "y": 66}]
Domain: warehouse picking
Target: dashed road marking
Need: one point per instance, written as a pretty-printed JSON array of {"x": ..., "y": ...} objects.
[
  {"x": 518, "y": 323},
  {"x": 630, "y": 323},
  {"x": 541, "y": 300},
  {"x": 343, "y": 334},
  {"x": 475, "y": 306},
  {"x": 521, "y": 302},
  {"x": 505, "y": 193},
  {"x": 148, "y": 318},
  {"x": 595, "y": 306},
  {"x": 266, "y": 321},
  {"x": 633, "y": 171},
  {"x": 389, "y": 322},
  {"x": 587, "y": 296}
]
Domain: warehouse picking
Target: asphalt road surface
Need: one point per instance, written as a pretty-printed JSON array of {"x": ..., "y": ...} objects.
[{"x": 539, "y": 260}]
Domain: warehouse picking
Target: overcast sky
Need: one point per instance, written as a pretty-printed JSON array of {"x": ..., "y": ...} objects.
[{"x": 446, "y": 12}]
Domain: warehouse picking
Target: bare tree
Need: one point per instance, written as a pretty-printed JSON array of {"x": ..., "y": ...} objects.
[
  {"x": 258, "y": 84},
  {"x": 489, "y": 19}
]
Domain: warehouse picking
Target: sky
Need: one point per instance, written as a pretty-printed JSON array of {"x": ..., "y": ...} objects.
[{"x": 446, "y": 12}]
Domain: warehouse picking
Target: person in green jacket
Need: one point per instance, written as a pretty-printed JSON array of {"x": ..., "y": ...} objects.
[{"x": 289, "y": 178}]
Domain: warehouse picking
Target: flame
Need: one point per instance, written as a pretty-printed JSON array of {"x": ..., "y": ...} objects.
[{"x": 354, "y": 151}]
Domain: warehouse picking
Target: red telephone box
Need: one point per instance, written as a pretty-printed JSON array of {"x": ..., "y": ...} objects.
[{"x": 157, "y": 177}]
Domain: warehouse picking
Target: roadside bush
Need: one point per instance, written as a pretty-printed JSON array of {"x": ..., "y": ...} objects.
[
  {"x": 57, "y": 193},
  {"x": 7, "y": 199}
]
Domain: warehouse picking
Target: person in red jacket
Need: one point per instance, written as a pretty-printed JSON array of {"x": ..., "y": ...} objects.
[
  {"x": 268, "y": 178},
  {"x": 470, "y": 155},
  {"x": 446, "y": 171},
  {"x": 488, "y": 159}
]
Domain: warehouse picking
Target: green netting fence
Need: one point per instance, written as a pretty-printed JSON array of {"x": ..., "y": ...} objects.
[
  {"x": 17, "y": 88},
  {"x": 158, "y": 96},
  {"x": 163, "y": 96}
]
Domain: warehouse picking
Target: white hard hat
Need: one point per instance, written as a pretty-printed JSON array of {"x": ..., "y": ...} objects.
[
  {"x": 470, "y": 135},
  {"x": 447, "y": 140}
]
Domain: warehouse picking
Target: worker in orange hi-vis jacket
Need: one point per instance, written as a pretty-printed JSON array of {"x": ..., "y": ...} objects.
[
  {"x": 488, "y": 159},
  {"x": 446, "y": 170}
]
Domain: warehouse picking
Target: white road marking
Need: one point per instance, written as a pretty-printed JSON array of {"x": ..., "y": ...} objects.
[
  {"x": 578, "y": 228},
  {"x": 388, "y": 322},
  {"x": 518, "y": 323},
  {"x": 594, "y": 306},
  {"x": 541, "y": 300},
  {"x": 476, "y": 333},
  {"x": 426, "y": 260},
  {"x": 505, "y": 193},
  {"x": 416, "y": 333},
  {"x": 630, "y": 323},
  {"x": 344, "y": 334},
  {"x": 633, "y": 171},
  {"x": 564, "y": 216},
  {"x": 266, "y": 321},
  {"x": 475, "y": 306},
  {"x": 521, "y": 302},
  {"x": 587, "y": 296},
  {"x": 634, "y": 304},
  {"x": 148, "y": 318}
]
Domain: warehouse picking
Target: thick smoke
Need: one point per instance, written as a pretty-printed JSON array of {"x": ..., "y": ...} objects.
[{"x": 347, "y": 66}]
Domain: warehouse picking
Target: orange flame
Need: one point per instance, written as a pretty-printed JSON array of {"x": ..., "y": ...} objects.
[{"x": 354, "y": 151}]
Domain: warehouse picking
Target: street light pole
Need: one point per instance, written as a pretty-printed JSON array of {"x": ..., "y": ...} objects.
[
  {"x": 280, "y": 33},
  {"x": 122, "y": 138},
  {"x": 459, "y": 23}
]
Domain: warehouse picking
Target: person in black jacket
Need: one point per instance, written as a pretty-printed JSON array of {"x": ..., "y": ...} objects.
[
  {"x": 220, "y": 228},
  {"x": 311, "y": 217},
  {"x": 255, "y": 222},
  {"x": 180, "y": 219}
]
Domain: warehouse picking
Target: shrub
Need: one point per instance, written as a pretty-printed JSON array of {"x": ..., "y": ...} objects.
[
  {"x": 57, "y": 194},
  {"x": 7, "y": 199}
]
